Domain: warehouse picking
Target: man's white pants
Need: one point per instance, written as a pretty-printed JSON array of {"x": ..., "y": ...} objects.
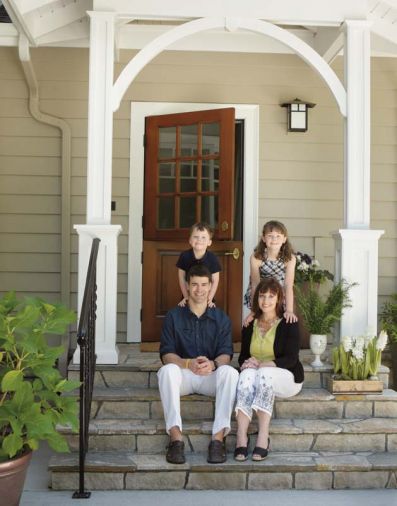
[{"x": 221, "y": 384}]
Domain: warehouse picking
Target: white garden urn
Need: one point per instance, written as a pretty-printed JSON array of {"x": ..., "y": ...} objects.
[{"x": 318, "y": 344}]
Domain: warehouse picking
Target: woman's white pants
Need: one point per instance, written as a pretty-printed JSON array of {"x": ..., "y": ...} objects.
[
  {"x": 175, "y": 382},
  {"x": 257, "y": 388}
]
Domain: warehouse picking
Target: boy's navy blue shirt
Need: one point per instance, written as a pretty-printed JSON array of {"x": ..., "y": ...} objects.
[
  {"x": 187, "y": 259},
  {"x": 188, "y": 336}
]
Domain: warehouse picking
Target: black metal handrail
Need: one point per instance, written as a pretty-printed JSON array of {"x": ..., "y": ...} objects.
[{"x": 86, "y": 341}]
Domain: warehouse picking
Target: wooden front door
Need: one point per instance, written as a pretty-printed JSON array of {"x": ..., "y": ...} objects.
[{"x": 189, "y": 177}]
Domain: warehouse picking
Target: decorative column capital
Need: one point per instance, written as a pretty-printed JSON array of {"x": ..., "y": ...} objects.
[
  {"x": 110, "y": 15},
  {"x": 356, "y": 23},
  {"x": 358, "y": 234}
]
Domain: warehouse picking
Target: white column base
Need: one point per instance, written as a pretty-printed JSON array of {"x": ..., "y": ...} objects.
[
  {"x": 104, "y": 355},
  {"x": 106, "y": 314},
  {"x": 356, "y": 260}
]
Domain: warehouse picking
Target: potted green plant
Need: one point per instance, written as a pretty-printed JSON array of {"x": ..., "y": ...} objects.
[
  {"x": 308, "y": 270},
  {"x": 356, "y": 363},
  {"x": 388, "y": 318},
  {"x": 320, "y": 312},
  {"x": 31, "y": 387}
]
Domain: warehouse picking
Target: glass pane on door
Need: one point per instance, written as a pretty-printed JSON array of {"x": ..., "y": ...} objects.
[
  {"x": 210, "y": 176},
  {"x": 187, "y": 212},
  {"x": 167, "y": 142},
  {"x": 210, "y": 139},
  {"x": 166, "y": 213},
  {"x": 209, "y": 210},
  {"x": 166, "y": 177},
  {"x": 188, "y": 179},
  {"x": 188, "y": 135}
]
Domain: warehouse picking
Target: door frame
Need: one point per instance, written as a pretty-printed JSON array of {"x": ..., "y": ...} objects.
[{"x": 139, "y": 110}]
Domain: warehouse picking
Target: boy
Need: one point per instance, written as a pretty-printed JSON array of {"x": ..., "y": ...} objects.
[{"x": 200, "y": 239}]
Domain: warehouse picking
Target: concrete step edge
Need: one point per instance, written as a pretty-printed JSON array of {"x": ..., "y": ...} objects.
[
  {"x": 114, "y": 462},
  {"x": 284, "y": 426}
]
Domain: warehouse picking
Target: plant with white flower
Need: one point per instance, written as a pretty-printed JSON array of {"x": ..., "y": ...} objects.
[
  {"x": 367, "y": 340},
  {"x": 347, "y": 343},
  {"x": 381, "y": 341},
  {"x": 308, "y": 270},
  {"x": 358, "y": 352},
  {"x": 358, "y": 357}
]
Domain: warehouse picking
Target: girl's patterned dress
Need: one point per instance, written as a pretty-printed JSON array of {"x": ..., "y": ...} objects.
[{"x": 268, "y": 269}]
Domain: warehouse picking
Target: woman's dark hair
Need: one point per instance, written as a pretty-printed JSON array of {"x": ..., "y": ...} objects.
[
  {"x": 264, "y": 286},
  {"x": 286, "y": 250}
]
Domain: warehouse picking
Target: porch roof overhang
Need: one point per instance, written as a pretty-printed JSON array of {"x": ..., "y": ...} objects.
[{"x": 316, "y": 22}]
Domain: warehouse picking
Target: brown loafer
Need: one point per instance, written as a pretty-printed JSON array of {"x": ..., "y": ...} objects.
[
  {"x": 175, "y": 452},
  {"x": 216, "y": 452}
]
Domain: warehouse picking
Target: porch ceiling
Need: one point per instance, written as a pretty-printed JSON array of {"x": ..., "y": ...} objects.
[{"x": 317, "y": 22}]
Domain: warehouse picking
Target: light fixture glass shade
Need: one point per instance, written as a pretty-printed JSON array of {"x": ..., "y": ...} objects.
[{"x": 298, "y": 120}]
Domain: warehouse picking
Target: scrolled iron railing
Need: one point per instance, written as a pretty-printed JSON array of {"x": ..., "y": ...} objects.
[{"x": 86, "y": 341}]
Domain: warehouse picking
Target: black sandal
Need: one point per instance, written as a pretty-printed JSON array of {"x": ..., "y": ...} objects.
[
  {"x": 260, "y": 453},
  {"x": 241, "y": 452}
]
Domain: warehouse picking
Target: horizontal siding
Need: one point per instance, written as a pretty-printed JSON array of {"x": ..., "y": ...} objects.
[
  {"x": 30, "y": 191},
  {"x": 32, "y": 223},
  {"x": 37, "y": 166},
  {"x": 301, "y": 175},
  {"x": 30, "y": 262},
  {"x": 24, "y": 281},
  {"x": 27, "y": 204}
]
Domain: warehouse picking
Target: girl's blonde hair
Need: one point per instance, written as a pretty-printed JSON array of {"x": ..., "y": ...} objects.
[{"x": 286, "y": 250}]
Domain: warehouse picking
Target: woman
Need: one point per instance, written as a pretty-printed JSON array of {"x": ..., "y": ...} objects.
[{"x": 269, "y": 364}]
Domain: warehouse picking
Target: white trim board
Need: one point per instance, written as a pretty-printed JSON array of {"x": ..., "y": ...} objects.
[{"x": 139, "y": 110}]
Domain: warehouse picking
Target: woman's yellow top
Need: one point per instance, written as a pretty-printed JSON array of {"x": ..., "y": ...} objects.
[{"x": 262, "y": 346}]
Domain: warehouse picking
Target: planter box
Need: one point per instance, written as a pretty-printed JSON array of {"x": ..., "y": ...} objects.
[{"x": 355, "y": 386}]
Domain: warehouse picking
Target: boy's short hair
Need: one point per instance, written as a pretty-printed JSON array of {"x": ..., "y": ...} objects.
[
  {"x": 199, "y": 270},
  {"x": 201, "y": 225}
]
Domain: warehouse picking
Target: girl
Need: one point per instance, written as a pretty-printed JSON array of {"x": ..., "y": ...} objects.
[{"x": 273, "y": 257}]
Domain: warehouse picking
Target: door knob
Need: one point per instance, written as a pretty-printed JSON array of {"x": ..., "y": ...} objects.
[
  {"x": 224, "y": 226},
  {"x": 235, "y": 253}
]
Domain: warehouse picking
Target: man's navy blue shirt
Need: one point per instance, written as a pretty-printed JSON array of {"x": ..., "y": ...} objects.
[{"x": 188, "y": 336}]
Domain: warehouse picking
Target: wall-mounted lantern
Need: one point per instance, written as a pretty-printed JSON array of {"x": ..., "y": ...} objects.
[{"x": 297, "y": 115}]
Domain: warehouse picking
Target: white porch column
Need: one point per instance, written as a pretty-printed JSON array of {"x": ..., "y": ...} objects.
[
  {"x": 100, "y": 118},
  {"x": 357, "y": 246},
  {"x": 105, "y": 342},
  {"x": 357, "y": 124},
  {"x": 99, "y": 187}
]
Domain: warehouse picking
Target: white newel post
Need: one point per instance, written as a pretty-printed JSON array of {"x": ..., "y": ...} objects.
[
  {"x": 105, "y": 340},
  {"x": 356, "y": 256},
  {"x": 99, "y": 187}
]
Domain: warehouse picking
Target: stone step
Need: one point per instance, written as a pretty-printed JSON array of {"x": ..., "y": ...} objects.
[
  {"x": 140, "y": 374},
  {"x": 287, "y": 435},
  {"x": 297, "y": 470},
  {"x": 145, "y": 404}
]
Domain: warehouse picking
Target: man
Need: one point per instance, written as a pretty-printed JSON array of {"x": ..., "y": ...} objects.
[{"x": 196, "y": 349}]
